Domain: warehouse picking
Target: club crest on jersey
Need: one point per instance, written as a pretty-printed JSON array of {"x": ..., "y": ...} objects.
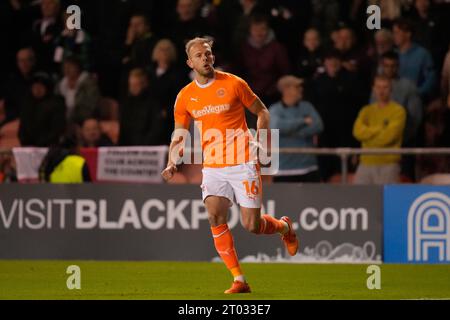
[{"x": 221, "y": 92}]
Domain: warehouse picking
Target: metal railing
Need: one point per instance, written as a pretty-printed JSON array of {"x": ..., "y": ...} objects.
[{"x": 345, "y": 153}]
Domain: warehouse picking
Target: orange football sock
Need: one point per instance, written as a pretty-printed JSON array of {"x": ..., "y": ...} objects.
[
  {"x": 270, "y": 225},
  {"x": 223, "y": 241}
]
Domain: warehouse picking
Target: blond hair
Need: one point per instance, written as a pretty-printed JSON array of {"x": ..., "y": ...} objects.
[
  {"x": 198, "y": 40},
  {"x": 165, "y": 43}
]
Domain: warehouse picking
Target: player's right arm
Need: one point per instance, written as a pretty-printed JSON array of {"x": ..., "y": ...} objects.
[
  {"x": 175, "y": 145},
  {"x": 182, "y": 120}
]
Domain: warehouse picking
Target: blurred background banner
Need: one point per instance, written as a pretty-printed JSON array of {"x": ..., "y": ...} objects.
[
  {"x": 125, "y": 222},
  {"x": 28, "y": 161},
  {"x": 141, "y": 164},
  {"x": 417, "y": 228},
  {"x": 131, "y": 164}
]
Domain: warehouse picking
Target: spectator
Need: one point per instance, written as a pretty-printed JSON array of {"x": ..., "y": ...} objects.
[
  {"x": 2, "y": 110},
  {"x": 337, "y": 97},
  {"x": 109, "y": 31},
  {"x": 436, "y": 135},
  {"x": 187, "y": 24},
  {"x": 310, "y": 60},
  {"x": 18, "y": 83},
  {"x": 326, "y": 14},
  {"x": 8, "y": 172},
  {"x": 63, "y": 164},
  {"x": 263, "y": 60},
  {"x": 445, "y": 80},
  {"x": 299, "y": 123},
  {"x": 234, "y": 23},
  {"x": 14, "y": 27},
  {"x": 288, "y": 19},
  {"x": 380, "y": 125},
  {"x": 344, "y": 43},
  {"x": 416, "y": 63},
  {"x": 383, "y": 43},
  {"x": 79, "y": 90},
  {"x": 166, "y": 79},
  {"x": 73, "y": 43},
  {"x": 139, "y": 43},
  {"x": 91, "y": 135},
  {"x": 429, "y": 31},
  {"x": 405, "y": 93},
  {"x": 140, "y": 114},
  {"x": 390, "y": 10},
  {"x": 445, "y": 139},
  {"x": 436, "y": 123},
  {"x": 44, "y": 33},
  {"x": 42, "y": 120},
  {"x": 353, "y": 58}
]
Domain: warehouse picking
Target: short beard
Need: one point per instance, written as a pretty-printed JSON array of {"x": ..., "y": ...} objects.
[{"x": 207, "y": 74}]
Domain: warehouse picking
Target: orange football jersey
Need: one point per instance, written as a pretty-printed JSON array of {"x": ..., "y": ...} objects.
[{"x": 218, "y": 109}]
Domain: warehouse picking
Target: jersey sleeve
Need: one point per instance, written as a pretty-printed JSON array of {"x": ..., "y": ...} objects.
[
  {"x": 245, "y": 93},
  {"x": 181, "y": 114}
]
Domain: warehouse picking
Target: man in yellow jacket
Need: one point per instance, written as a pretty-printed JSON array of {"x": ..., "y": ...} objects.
[{"x": 380, "y": 125}]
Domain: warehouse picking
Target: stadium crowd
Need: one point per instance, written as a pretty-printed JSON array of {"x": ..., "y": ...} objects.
[{"x": 315, "y": 65}]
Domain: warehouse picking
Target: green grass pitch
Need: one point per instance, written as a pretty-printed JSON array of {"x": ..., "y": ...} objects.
[{"x": 33, "y": 279}]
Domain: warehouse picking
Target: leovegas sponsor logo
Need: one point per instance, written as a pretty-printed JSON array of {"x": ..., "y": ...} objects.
[{"x": 209, "y": 109}]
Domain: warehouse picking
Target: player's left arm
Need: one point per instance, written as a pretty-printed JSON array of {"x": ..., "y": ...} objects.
[
  {"x": 252, "y": 102},
  {"x": 260, "y": 110},
  {"x": 262, "y": 125}
]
